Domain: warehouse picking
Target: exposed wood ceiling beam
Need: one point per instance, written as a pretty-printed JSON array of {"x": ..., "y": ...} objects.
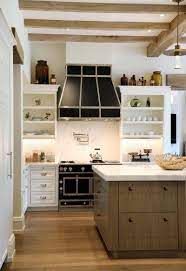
[
  {"x": 89, "y": 38},
  {"x": 167, "y": 38},
  {"x": 96, "y": 25},
  {"x": 97, "y": 7}
]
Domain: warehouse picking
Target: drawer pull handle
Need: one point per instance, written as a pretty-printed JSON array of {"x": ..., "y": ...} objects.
[
  {"x": 98, "y": 215},
  {"x": 43, "y": 197},
  {"x": 43, "y": 173},
  {"x": 98, "y": 192},
  {"x": 165, "y": 219},
  {"x": 165, "y": 188},
  {"x": 44, "y": 185},
  {"x": 130, "y": 220},
  {"x": 130, "y": 188}
]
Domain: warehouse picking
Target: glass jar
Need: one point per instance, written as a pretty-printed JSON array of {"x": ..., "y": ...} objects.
[
  {"x": 35, "y": 156},
  {"x": 53, "y": 79},
  {"x": 42, "y": 72},
  {"x": 157, "y": 77}
]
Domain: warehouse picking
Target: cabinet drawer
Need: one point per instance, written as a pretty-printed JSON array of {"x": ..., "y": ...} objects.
[
  {"x": 148, "y": 197},
  {"x": 43, "y": 198},
  {"x": 43, "y": 185},
  {"x": 43, "y": 174},
  {"x": 148, "y": 231}
]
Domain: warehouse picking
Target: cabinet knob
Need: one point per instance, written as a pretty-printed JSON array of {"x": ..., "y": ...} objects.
[
  {"x": 43, "y": 197},
  {"x": 165, "y": 219},
  {"x": 43, "y": 185},
  {"x": 165, "y": 188},
  {"x": 130, "y": 220},
  {"x": 83, "y": 169},
  {"x": 130, "y": 188}
]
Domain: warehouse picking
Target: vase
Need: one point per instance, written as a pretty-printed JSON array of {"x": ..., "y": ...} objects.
[
  {"x": 42, "y": 72},
  {"x": 157, "y": 77}
]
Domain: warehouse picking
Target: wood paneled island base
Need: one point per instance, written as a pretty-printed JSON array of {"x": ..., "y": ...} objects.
[{"x": 141, "y": 219}]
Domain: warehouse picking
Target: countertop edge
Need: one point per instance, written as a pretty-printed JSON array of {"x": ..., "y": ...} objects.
[{"x": 140, "y": 178}]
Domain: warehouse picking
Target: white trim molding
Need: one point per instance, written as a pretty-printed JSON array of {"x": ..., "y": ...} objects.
[
  {"x": 5, "y": 31},
  {"x": 19, "y": 224},
  {"x": 2, "y": 260},
  {"x": 11, "y": 249}
]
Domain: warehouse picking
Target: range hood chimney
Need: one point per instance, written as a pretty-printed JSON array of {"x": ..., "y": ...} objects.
[{"x": 88, "y": 93}]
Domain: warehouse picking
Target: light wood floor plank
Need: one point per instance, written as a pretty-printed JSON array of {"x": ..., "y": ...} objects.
[{"x": 69, "y": 242}]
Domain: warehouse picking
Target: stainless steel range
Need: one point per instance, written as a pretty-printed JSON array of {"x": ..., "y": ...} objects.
[{"x": 75, "y": 185}]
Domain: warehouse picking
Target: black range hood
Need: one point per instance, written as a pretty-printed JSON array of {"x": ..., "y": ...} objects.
[{"x": 88, "y": 93}]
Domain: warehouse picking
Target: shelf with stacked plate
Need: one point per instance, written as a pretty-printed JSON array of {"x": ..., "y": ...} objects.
[
  {"x": 145, "y": 113},
  {"x": 40, "y": 111}
]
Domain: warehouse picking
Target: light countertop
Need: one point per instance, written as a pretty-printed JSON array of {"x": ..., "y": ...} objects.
[
  {"x": 41, "y": 164},
  {"x": 138, "y": 172}
]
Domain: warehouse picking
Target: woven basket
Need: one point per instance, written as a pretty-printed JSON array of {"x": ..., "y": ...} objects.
[{"x": 173, "y": 163}]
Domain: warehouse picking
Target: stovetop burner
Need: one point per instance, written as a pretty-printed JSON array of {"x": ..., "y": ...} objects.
[
  {"x": 67, "y": 162},
  {"x": 97, "y": 162}
]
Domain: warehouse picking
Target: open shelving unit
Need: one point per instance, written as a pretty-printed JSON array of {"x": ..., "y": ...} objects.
[
  {"x": 40, "y": 111},
  {"x": 142, "y": 122}
]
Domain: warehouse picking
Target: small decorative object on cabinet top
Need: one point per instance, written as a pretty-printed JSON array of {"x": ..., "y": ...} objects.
[
  {"x": 124, "y": 80},
  {"x": 152, "y": 82},
  {"x": 157, "y": 78},
  {"x": 53, "y": 79},
  {"x": 132, "y": 81},
  {"x": 141, "y": 82},
  {"x": 42, "y": 72}
]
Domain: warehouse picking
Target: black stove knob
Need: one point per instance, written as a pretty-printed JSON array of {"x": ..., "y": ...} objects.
[
  {"x": 82, "y": 169},
  {"x": 70, "y": 169},
  {"x": 61, "y": 168}
]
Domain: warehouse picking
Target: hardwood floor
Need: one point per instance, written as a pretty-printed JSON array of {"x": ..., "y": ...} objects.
[{"x": 69, "y": 242}]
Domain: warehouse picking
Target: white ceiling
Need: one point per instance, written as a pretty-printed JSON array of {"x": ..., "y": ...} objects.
[{"x": 115, "y": 17}]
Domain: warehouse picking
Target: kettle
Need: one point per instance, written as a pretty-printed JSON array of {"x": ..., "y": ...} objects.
[{"x": 96, "y": 155}]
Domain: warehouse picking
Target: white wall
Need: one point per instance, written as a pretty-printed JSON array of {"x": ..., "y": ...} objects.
[
  {"x": 125, "y": 58},
  {"x": 15, "y": 19},
  {"x": 54, "y": 54},
  {"x": 102, "y": 134}
]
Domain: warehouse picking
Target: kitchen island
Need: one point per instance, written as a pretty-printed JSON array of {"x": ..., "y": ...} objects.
[{"x": 140, "y": 210}]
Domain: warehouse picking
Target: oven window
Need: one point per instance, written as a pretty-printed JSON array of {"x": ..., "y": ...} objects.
[
  {"x": 83, "y": 185},
  {"x": 69, "y": 185}
]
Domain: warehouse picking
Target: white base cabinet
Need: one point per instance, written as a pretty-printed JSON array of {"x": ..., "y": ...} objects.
[{"x": 43, "y": 186}]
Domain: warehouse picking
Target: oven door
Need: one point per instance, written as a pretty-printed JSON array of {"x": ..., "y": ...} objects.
[
  {"x": 70, "y": 186},
  {"x": 84, "y": 186},
  {"x": 77, "y": 186}
]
